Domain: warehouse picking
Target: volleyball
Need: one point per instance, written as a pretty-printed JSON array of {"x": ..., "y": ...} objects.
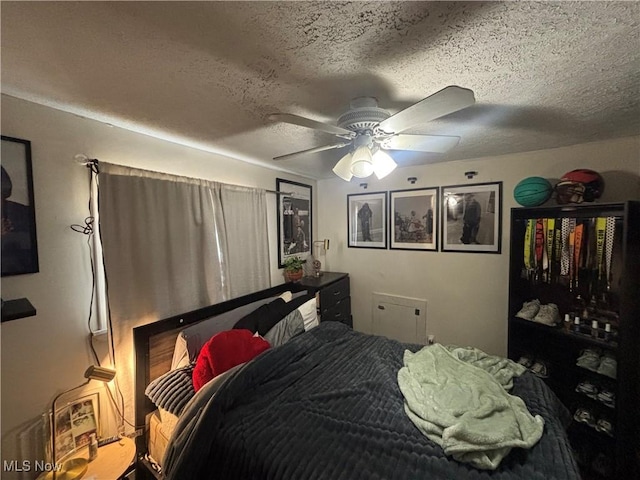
[{"x": 532, "y": 191}]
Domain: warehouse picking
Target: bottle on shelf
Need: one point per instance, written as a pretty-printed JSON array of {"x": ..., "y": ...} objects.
[
  {"x": 607, "y": 332},
  {"x": 576, "y": 325},
  {"x": 594, "y": 329},
  {"x": 567, "y": 322},
  {"x": 93, "y": 447}
]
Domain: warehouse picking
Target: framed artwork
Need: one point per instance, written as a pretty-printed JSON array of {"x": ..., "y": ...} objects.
[
  {"x": 295, "y": 232},
  {"x": 19, "y": 242},
  {"x": 75, "y": 422},
  {"x": 413, "y": 215},
  {"x": 367, "y": 220},
  {"x": 472, "y": 218}
]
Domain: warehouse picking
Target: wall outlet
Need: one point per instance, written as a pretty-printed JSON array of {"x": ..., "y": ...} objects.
[{"x": 431, "y": 339}]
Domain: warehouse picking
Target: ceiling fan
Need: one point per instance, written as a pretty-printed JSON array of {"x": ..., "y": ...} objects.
[{"x": 369, "y": 130}]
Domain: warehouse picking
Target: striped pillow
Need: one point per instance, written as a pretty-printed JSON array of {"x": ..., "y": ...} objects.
[{"x": 172, "y": 390}]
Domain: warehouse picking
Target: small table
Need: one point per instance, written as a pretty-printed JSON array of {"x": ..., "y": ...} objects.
[{"x": 113, "y": 461}]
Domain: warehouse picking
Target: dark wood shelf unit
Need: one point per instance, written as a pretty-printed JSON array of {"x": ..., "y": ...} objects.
[
  {"x": 560, "y": 348},
  {"x": 18, "y": 308}
]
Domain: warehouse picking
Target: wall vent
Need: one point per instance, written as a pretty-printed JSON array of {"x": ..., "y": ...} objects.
[{"x": 400, "y": 318}]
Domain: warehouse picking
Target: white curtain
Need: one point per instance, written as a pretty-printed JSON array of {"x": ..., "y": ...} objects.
[
  {"x": 245, "y": 215},
  {"x": 174, "y": 244}
]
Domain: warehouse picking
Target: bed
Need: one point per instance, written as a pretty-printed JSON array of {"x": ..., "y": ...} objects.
[{"x": 325, "y": 403}]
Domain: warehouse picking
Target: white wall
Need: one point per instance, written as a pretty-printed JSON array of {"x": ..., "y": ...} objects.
[
  {"x": 48, "y": 353},
  {"x": 466, "y": 293}
]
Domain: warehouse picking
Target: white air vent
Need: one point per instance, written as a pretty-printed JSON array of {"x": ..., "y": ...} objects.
[{"x": 400, "y": 318}]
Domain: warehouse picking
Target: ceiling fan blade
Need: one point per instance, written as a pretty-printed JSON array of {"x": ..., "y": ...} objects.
[
  {"x": 307, "y": 122},
  {"x": 311, "y": 150},
  {"x": 446, "y": 101},
  {"x": 421, "y": 143}
]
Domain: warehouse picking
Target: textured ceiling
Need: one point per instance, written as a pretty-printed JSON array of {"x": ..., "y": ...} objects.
[{"x": 544, "y": 74}]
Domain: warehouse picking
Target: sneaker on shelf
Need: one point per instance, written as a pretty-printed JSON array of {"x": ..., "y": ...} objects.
[
  {"x": 588, "y": 388},
  {"x": 548, "y": 314},
  {"x": 526, "y": 361},
  {"x": 605, "y": 426},
  {"x": 539, "y": 369},
  {"x": 529, "y": 309},
  {"x": 589, "y": 359},
  {"x": 607, "y": 397},
  {"x": 608, "y": 366},
  {"x": 585, "y": 416}
]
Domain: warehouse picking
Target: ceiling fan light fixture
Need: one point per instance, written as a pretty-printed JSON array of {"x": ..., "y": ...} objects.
[
  {"x": 362, "y": 162},
  {"x": 343, "y": 168},
  {"x": 383, "y": 164}
]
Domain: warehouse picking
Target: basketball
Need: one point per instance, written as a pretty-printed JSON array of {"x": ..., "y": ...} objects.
[
  {"x": 581, "y": 185},
  {"x": 532, "y": 191}
]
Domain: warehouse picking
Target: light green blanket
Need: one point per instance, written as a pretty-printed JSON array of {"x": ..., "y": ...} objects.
[{"x": 458, "y": 398}]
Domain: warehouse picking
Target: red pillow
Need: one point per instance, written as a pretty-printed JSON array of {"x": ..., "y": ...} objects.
[{"x": 223, "y": 351}]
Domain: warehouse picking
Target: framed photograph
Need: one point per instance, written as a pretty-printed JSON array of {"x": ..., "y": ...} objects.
[
  {"x": 75, "y": 422},
  {"x": 413, "y": 215},
  {"x": 19, "y": 242},
  {"x": 472, "y": 218},
  {"x": 295, "y": 232},
  {"x": 367, "y": 220}
]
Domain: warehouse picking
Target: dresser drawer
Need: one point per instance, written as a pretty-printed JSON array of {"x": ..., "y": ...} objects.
[
  {"x": 331, "y": 295},
  {"x": 340, "y": 312}
]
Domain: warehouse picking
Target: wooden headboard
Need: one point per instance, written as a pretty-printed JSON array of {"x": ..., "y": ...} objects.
[{"x": 154, "y": 344}]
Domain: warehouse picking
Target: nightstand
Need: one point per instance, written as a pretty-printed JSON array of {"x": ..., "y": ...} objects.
[
  {"x": 332, "y": 296},
  {"x": 113, "y": 462}
]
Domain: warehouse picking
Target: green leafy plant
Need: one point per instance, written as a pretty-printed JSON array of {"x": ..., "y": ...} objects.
[{"x": 293, "y": 264}]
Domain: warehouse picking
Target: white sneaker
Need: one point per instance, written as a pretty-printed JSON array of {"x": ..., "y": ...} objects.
[
  {"x": 548, "y": 314},
  {"x": 608, "y": 366},
  {"x": 529, "y": 309}
]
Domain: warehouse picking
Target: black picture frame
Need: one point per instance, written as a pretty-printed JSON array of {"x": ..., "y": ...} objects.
[
  {"x": 19, "y": 239},
  {"x": 460, "y": 236},
  {"x": 413, "y": 219},
  {"x": 295, "y": 209},
  {"x": 374, "y": 233}
]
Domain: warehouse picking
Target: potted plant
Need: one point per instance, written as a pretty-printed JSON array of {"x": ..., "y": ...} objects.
[{"x": 293, "y": 269}]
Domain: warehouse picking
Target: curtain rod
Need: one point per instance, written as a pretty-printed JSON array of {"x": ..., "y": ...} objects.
[
  {"x": 90, "y": 162},
  {"x": 278, "y": 193}
]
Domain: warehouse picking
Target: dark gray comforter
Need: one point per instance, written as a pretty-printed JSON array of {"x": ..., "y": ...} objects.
[{"x": 326, "y": 405}]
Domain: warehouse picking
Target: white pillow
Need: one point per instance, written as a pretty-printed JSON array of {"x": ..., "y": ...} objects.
[{"x": 309, "y": 314}]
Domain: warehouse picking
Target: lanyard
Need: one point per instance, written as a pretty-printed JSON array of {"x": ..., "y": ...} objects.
[
  {"x": 550, "y": 231},
  {"x": 577, "y": 248},
  {"x": 528, "y": 239},
  {"x": 558, "y": 250},
  {"x": 610, "y": 233},
  {"x": 539, "y": 242},
  {"x": 565, "y": 258},
  {"x": 601, "y": 230}
]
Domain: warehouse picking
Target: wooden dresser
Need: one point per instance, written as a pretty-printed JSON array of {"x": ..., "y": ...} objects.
[{"x": 332, "y": 295}]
